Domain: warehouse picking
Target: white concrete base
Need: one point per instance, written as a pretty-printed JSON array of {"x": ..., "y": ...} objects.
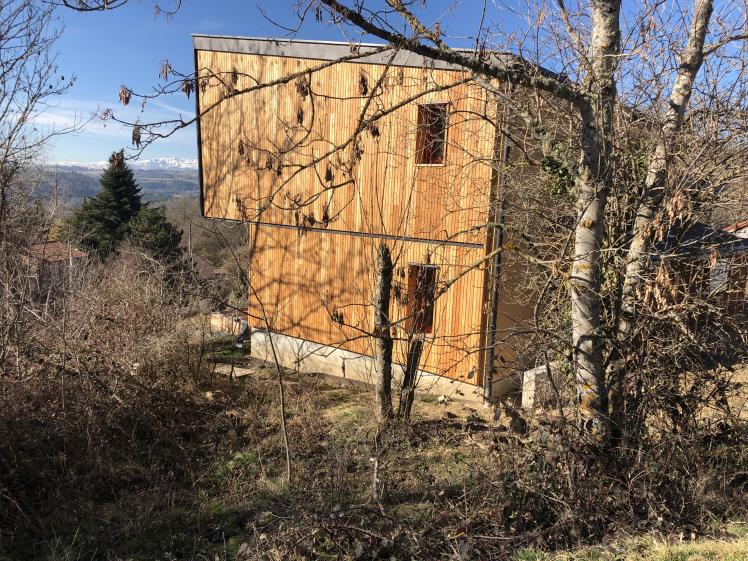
[
  {"x": 537, "y": 389},
  {"x": 312, "y": 358},
  {"x": 226, "y": 323}
]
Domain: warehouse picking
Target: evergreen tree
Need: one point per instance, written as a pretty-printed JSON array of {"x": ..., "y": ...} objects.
[
  {"x": 154, "y": 234},
  {"x": 101, "y": 222}
]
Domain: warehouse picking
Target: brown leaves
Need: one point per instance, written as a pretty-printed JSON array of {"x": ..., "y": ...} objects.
[
  {"x": 663, "y": 291},
  {"x": 373, "y": 129},
  {"x": 713, "y": 257},
  {"x": 274, "y": 164},
  {"x": 400, "y": 80},
  {"x": 677, "y": 206},
  {"x": 188, "y": 86},
  {"x": 165, "y": 70},
  {"x": 363, "y": 84},
  {"x": 303, "y": 87},
  {"x": 357, "y": 151},
  {"x": 229, "y": 88},
  {"x": 337, "y": 316},
  {"x": 125, "y": 94},
  {"x": 117, "y": 159},
  {"x": 136, "y": 136}
]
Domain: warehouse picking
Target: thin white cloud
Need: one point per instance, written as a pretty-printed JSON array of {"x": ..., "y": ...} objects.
[
  {"x": 184, "y": 113},
  {"x": 92, "y": 131},
  {"x": 86, "y": 115}
]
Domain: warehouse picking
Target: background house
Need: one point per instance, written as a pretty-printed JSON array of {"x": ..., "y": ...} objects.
[
  {"x": 739, "y": 229},
  {"x": 705, "y": 265},
  {"x": 52, "y": 266}
]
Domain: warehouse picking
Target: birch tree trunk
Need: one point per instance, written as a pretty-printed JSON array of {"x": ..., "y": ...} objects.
[
  {"x": 382, "y": 333},
  {"x": 654, "y": 190},
  {"x": 593, "y": 184}
]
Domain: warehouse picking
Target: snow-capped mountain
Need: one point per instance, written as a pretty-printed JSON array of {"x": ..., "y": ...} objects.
[
  {"x": 145, "y": 164},
  {"x": 159, "y": 178}
]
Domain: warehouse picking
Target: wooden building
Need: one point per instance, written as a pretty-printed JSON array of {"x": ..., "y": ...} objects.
[
  {"x": 328, "y": 152},
  {"x": 699, "y": 263}
]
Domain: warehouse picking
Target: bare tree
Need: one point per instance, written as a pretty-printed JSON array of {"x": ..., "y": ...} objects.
[
  {"x": 604, "y": 133},
  {"x": 28, "y": 81},
  {"x": 595, "y": 99},
  {"x": 383, "y": 351},
  {"x": 660, "y": 160}
]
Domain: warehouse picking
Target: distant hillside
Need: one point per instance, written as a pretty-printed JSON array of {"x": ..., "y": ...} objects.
[{"x": 74, "y": 182}]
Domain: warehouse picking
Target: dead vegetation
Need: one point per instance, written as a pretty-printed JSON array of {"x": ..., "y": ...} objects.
[{"x": 119, "y": 441}]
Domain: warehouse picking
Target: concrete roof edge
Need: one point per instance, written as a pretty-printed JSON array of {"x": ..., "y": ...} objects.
[{"x": 330, "y": 50}]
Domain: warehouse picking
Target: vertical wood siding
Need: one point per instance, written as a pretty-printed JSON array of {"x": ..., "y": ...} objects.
[
  {"x": 385, "y": 192},
  {"x": 306, "y": 278}
]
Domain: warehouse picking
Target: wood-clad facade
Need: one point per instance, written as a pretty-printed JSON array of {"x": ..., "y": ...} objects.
[{"x": 315, "y": 146}]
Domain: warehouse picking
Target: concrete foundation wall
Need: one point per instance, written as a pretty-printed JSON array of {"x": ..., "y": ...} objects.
[
  {"x": 226, "y": 323},
  {"x": 538, "y": 389},
  {"x": 310, "y": 357}
]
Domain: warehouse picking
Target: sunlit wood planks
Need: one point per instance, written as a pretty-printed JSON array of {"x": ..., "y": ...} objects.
[{"x": 323, "y": 191}]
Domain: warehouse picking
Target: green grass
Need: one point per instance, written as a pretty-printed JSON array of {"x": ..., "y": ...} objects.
[
  {"x": 241, "y": 465},
  {"x": 348, "y": 417},
  {"x": 227, "y": 354},
  {"x": 531, "y": 555}
]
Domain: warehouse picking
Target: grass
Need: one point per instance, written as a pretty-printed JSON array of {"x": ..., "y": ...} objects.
[
  {"x": 428, "y": 398},
  {"x": 732, "y": 547},
  {"x": 241, "y": 464},
  {"x": 227, "y": 354},
  {"x": 224, "y": 350}
]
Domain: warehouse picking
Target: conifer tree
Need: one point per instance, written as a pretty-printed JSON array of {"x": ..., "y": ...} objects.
[
  {"x": 101, "y": 223},
  {"x": 153, "y": 233}
]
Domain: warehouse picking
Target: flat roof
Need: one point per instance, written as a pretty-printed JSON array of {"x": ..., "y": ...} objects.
[{"x": 323, "y": 50}]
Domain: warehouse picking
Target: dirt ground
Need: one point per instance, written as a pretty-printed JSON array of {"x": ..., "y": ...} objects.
[
  {"x": 202, "y": 475},
  {"x": 350, "y": 393}
]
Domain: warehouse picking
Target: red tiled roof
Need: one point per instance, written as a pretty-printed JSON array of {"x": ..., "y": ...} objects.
[
  {"x": 55, "y": 251},
  {"x": 735, "y": 227}
]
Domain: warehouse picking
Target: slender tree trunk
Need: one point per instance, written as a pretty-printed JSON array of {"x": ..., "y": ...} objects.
[
  {"x": 593, "y": 184},
  {"x": 408, "y": 390},
  {"x": 382, "y": 333},
  {"x": 652, "y": 197},
  {"x": 281, "y": 390},
  {"x": 282, "y": 406},
  {"x": 585, "y": 291}
]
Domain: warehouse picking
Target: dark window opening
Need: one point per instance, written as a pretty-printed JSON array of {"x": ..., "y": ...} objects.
[
  {"x": 431, "y": 137},
  {"x": 420, "y": 303}
]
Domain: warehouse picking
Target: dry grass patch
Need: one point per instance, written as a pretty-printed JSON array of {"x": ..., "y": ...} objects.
[{"x": 732, "y": 547}]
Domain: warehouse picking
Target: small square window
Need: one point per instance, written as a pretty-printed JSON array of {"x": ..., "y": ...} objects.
[
  {"x": 431, "y": 134},
  {"x": 421, "y": 288}
]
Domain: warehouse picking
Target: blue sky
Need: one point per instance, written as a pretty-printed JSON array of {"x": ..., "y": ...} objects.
[{"x": 126, "y": 46}]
